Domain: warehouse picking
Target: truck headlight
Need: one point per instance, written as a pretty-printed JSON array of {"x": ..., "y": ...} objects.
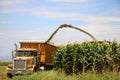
[
  {"x": 30, "y": 66},
  {"x": 30, "y": 63},
  {"x": 10, "y": 66}
]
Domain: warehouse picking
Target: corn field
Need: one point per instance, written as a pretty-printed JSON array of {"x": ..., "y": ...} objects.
[{"x": 96, "y": 57}]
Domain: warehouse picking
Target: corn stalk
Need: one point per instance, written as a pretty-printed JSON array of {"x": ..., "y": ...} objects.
[{"x": 88, "y": 56}]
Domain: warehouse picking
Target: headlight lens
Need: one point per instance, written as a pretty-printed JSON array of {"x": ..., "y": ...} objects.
[
  {"x": 30, "y": 66},
  {"x": 10, "y": 66},
  {"x": 30, "y": 63}
]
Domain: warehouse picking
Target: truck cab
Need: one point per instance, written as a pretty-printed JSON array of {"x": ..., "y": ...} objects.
[{"x": 26, "y": 59}]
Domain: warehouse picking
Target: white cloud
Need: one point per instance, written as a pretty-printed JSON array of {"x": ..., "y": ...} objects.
[
  {"x": 9, "y": 3},
  {"x": 5, "y": 22},
  {"x": 103, "y": 31},
  {"x": 18, "y": 11},
  {"x": 69, "y": 1},
  {"x": 99, "y": 29},
  {"x": 44, "y": 12},
  {"x": 48, "y": 12},
  {"x": 112, "y": 12},
  {"x": 2, "y": 34},
  {"x": 12, "y": 6}
]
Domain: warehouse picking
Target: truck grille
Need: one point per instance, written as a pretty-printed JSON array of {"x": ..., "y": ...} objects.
[{"x": 19, "y": 64}]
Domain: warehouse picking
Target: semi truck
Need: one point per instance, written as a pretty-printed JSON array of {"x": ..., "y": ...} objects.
[{"x": 32, "y": 56}]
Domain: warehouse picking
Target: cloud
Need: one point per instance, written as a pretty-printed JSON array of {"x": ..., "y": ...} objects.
[
  {"x": 46, "y": 13},
  {"x": 14, "y": 10},
  {"x": 103, "y": 31},
  {"x": 100, "y": 29},
  {"x": 2, "y": 34},
  {"x": 113, "y": 12},
  {"x": 4, "y": 22},
  {"x": 12, "y": 6},
  {"x": 68, "y": 1},
  {"x": 10, "y": 3}
]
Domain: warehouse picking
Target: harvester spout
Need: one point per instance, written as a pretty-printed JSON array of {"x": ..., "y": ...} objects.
[{"x": 69, "y": 26}]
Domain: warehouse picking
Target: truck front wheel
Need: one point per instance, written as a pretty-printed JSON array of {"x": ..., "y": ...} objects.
[
  {"x": 35, "y": 69},
  {"x": 9, "y": 75}
]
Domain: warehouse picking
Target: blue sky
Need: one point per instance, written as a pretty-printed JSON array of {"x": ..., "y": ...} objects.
[{"x": 37, "y": 19}]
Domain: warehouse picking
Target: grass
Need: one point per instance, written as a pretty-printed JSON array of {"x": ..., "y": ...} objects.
[
  {"x": 55, "y": 75},
  {"x": 2, "y": 70},
  {"x": 4, "y": 63},
  {"x": 3, "y": 73}
]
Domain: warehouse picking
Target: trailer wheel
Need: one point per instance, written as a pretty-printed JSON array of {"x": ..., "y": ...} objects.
[{"x": 9, "y": 75}]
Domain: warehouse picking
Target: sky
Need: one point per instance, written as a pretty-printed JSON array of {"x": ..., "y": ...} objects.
[{"x": 35, "y": 20}]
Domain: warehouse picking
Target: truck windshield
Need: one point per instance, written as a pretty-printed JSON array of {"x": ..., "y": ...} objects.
[{"x": 26, "y": 53}]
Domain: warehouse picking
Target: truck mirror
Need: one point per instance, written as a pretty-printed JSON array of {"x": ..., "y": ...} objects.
[{"x": 13, "y": 54}]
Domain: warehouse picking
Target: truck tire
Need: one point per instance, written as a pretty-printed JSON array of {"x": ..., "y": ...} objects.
[
  {"x": 35, "y": 69},
  {"x": 9, "y": 75}
]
